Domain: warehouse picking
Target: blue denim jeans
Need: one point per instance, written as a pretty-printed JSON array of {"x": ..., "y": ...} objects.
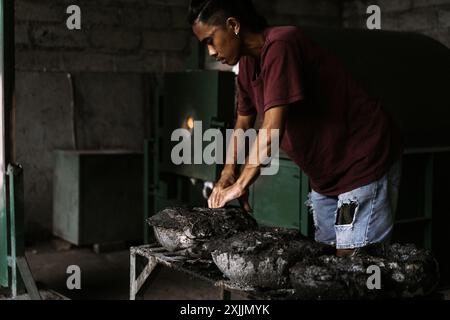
[{"x": 360, "y": 217}]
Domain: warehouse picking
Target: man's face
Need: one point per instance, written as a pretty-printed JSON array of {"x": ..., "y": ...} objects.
[{"x": 222, "y": 42}]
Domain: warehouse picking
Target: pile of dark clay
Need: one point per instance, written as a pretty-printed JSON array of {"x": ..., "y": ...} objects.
[
  {"x": 190, "y": 231},
  {"x": 263, "y": 258},
  {"x": 275, "y": 259},
  {"x": 404, "y": 272}
]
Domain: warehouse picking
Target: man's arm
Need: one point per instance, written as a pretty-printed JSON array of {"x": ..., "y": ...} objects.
[
  {"x": 274, "y": 118},
  {"x": 242, "y": 123},
  {"x": 228, "y": 176}
]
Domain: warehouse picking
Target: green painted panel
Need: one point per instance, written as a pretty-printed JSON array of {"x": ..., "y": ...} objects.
[
  {"x": 66, "y": 195},
  {"x": 3, "y": 219},
  {"x": 279, "y": 201},
  {"x": 3, "y": 240}
]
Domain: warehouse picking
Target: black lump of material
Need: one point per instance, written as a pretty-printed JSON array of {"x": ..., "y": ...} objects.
[
  {"x": 404, "y": 270},
  {"x": 275, "y": 258},
  {"x": 262, "y": 258},
  {"x": 197, "y": 227}
]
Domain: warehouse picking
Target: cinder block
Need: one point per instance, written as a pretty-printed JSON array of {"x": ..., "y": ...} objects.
[
  {"x": 151, "y": 62},
  {"x": 444, "y": 17},
  {"x": 48, "y": 11},
  {"x": 428, "y": 3},
  {"x": 63, "y": 61},
  {"x": 130, "y": 18},
  {"x": 317, "y": 7},
  {"x": 416, "y": 20},
  {"x": 176, "y": 40},
  {"x": 354, "y": 8},
  {"x": 21, "y": 34},
  {"x": 157, "y": 17},
  {"x": 392, "y": 5},
  {"x": 390, "y": 23},
  {"x": 354, "y": 22},
  {"x": 359, "y": 7},
  {"x": 136, "y": 63},
  {"x": 114, "y": 38},
  {"x": 305, "y": 20},
  {"x": 114, "y": 3},
  {"x": 333, "y": 22},
  {"x": 37, "y": 60},
  {"x": 179, "y": 17},
  {"x": 100, "y": 16},
  {"x": 86, "y": 61},
  {"x": 58, "y": 36},
  {"x": 181, "y": 3}
]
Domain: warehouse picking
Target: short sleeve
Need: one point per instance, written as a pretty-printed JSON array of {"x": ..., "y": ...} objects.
[
  {"x": 281, "y": 71},
  {"x": 245, "y": 106}
]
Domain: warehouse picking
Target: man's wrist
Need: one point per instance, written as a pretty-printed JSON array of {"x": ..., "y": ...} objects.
[
  {"x": 229, "y": 171},
  {"x": 247, "y": 176}
]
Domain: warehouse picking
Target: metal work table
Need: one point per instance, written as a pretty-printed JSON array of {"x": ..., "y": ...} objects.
[{"x": 149, "y": 258}]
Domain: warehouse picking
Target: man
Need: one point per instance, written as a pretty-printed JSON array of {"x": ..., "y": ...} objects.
[{"x": 338, "y": 135}]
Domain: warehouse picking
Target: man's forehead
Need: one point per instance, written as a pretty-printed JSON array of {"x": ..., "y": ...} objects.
[{"x": 203, "y": 30}]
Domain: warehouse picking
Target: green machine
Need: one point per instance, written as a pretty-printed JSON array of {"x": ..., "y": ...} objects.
[
  {"x": 3, "y": 213},
  {"x": 97, "y": 196},
  {"x": 209, "y": 97},
  {"x": 193, "y": 97}
]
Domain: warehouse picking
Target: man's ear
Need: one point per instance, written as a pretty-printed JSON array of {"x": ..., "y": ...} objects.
[{"x": 233, "y": 25}]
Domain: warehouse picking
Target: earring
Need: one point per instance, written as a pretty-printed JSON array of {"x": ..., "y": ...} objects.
[{"x": 237, "y": 34}]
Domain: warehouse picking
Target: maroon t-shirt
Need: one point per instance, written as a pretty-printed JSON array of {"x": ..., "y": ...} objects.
[{"x": 338, "y": 135}]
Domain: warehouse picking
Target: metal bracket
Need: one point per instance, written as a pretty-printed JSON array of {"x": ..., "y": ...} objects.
[
  {"x": 17, "y": 259},
  {"x": 136, "y": 284}
]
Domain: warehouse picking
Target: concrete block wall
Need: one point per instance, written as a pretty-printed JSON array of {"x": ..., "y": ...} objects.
[
  {"x": 323, "y": 13},
  {"x": 115, "y": 35},
  {"x": 131, "y": 35},
  {"x": 429, "y": 17}
]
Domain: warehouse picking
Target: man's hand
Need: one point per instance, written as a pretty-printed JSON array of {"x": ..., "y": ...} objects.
[
  {"x": 228, "y": 177},
  {"x": 226, "y": 190},
  {"x": 229, "y": 188}
]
